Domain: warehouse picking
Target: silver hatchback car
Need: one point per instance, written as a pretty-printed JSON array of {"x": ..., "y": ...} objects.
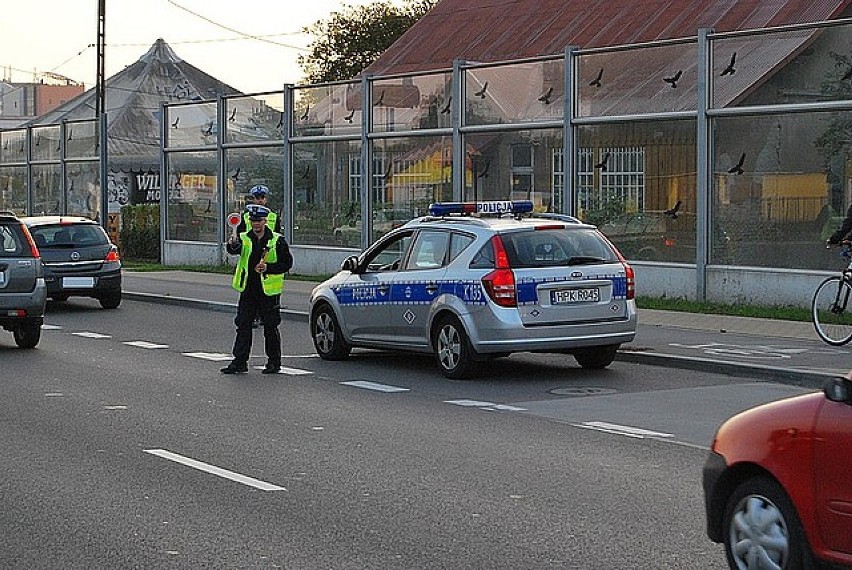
[
  {"x": 23, "y": 291},
  {"x": 474, "y": 281}
]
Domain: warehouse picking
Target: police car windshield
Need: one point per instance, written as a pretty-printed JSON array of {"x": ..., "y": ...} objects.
[{"x": 555, "y": 247}]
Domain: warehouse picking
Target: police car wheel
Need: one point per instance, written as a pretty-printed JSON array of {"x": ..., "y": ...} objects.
[
  {"x": 27, "y": 335},
  {"x": 596, "y": 357},
  {"x": 453, "y": 352},
  {"x": 328, "y": 339}
]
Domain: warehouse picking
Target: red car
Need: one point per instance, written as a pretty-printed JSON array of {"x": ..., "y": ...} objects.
[{"x": 778, "y": 482}]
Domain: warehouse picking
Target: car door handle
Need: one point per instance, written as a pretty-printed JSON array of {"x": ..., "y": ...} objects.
[{"x": 432, "y": 288}]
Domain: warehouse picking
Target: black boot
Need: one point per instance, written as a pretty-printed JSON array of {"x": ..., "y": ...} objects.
[
  {"x": 234, "y": 368},
  {"x": 271, "y": 368}
]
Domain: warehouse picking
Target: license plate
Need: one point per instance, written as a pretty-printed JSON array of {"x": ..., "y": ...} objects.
[
  {"x": 78, "y": 282},
  {"x": 568, "y": 296}
]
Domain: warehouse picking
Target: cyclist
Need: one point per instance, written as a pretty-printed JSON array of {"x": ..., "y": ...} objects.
[{"x": 842, "y": 233}]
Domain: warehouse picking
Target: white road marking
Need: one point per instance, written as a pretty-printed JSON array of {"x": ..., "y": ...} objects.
[
  {"x": 623, "y": 430},
  {"x": 115, "y": 407},
  {"x": 54, "y": 395},
  {"x": 145, "y": 344},
  {"x": 50, "y": 327},
  {"x": 485, "y": 405},
  {"x": 374, "y": 386},
  {"x": 215, "y": 356},
  {"x": 213, "y": 470},
  {"x": 92, "y": 335},
  {"x": 290, "y": 371},
  {"x": 300, "y": 356}
]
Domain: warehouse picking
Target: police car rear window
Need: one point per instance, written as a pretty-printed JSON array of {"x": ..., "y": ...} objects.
[
  {"x": 13, "y": 243},
  {"x": 556, "y": 247}
]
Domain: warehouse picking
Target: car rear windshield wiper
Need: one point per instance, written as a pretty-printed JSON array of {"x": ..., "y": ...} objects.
[{"x": 586, "y": 259}]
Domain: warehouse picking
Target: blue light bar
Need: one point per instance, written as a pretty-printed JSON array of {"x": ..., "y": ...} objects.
[{"x": 483, "y": 208}]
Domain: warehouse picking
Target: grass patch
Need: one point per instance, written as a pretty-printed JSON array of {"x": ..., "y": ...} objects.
[{"x": 786, "y": 313}]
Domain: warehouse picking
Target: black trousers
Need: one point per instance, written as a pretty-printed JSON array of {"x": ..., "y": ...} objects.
[{"x": 269, "y": 310}]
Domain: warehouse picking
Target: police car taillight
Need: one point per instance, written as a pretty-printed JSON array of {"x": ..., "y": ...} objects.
[
  {"x": 496, "y": 207},
  {"x": 631, "y": 281},
  {"x": 500, "y": 283}
]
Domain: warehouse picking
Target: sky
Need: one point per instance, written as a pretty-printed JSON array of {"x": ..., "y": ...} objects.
[{"x": 252, "y": 45}]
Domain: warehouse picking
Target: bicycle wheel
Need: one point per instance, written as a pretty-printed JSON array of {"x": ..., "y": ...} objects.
[{"x": 831, "y": 311}]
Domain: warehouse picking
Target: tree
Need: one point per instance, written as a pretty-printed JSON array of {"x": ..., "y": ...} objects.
[{"x": 352, "y": 39}]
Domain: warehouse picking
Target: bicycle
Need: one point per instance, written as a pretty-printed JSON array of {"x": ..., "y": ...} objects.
[{"x": 830, "y": 310}]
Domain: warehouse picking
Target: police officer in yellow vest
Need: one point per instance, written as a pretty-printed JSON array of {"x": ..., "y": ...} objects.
[
  {"x": 260, "y": 195},
  {"x": 259, "y": 277}
]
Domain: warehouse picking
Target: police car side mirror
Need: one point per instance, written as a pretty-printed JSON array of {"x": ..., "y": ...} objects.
[{"x": 350, "y": 263}]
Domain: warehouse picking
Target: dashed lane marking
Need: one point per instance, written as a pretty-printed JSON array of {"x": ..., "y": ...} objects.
[
  {"x": 213, "y": 470},
  {"x": 91, "y": 335},
  {"x": 51, "y": 327},
  {"x": 145, "y": 344},
  {"x": 485, "y": 405},
  {"x": 374, "y": 386},
  {"x": 623, "y": 430},
  {"x": 290, "y": 371},
  {"x": 214, "y": 356}
]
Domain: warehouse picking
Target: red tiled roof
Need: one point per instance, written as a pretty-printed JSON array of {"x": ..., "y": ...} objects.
[{"x": 497, "y": 30}]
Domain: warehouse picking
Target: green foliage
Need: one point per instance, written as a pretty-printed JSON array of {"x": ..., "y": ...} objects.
[
  {"x": 835, "y": 139},
  {"x": 140, "y": 232},
  {"x": 354, "y": 38},
  {"x": 787, "y": 313}
]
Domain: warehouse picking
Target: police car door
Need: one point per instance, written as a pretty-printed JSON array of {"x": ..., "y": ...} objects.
[
  {"x": 365, "y": 296},
  {"x": 417, "y": 285}
]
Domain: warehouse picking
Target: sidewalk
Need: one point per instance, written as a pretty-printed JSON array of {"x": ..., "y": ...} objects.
[{"x": 767, "y": 349}]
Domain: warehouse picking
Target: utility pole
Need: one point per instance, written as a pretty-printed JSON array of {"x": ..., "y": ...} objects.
[{"x": 99, "y": 88}]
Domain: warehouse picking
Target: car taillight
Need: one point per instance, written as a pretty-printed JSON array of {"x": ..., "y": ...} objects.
[
  {"x": 631, "y": 281},
  {"x": 112, "y": 255},
  {"x": 33, "y": 248},
  {"x": 500, "y": 283}
]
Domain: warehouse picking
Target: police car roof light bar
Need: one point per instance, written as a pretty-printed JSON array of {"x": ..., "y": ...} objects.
[{"x": 497, "y": 207}]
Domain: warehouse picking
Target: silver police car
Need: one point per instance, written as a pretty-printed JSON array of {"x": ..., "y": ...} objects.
[{"x": 474, "y": 281}]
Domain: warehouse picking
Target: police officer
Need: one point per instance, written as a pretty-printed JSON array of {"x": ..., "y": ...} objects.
[
  {"x": 260, "y": 195},
  {"x": 259, "y": 277}
]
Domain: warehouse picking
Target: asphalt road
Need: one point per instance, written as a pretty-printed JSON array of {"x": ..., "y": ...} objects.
[{"x": 124, "y": 447}]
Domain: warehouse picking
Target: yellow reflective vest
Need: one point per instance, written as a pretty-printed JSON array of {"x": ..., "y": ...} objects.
[{"x": 272, "y": 283}]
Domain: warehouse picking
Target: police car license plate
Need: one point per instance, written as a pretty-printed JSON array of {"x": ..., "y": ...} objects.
[{"x": 569, "y": 296}]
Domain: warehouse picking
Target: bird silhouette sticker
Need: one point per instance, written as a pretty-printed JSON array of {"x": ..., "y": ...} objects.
[
  {"x": 236, "y": 173},
  {"x": 481, "y": 92},
  {"x": 730, "y": 70},
  {"x": 307, "y": 172},
  {"x": 389, "y": 172},
  {"x": 446, "y": 109},
  {"x": 176, "y": 123},
  {"x": 280, "y": 121},
  {"x": 602, "y": 166},
  {"x": 381, "y": 100},
  {"x": 546, "y": 97},
  {"x": 673, "y": 79},
  {"x": 484, "y": 173},
  {"x": 596, "y": 82},
  {"x": 304, "y": 116},
  {"x": 349, "y": 117},
  {"x": 673, "y": 211},
  {"x": 233, "y": 115},
  {"x": 207, "y": 131},
  {"x": 738, "y": 167}
]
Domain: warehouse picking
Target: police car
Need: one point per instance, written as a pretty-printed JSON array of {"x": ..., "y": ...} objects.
[{"x": 474, "y": 281}]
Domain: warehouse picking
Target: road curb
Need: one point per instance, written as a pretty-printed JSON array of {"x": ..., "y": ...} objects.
[
  {"x": 221, "y": 307},
  {"x": 793, "y": 376}
]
